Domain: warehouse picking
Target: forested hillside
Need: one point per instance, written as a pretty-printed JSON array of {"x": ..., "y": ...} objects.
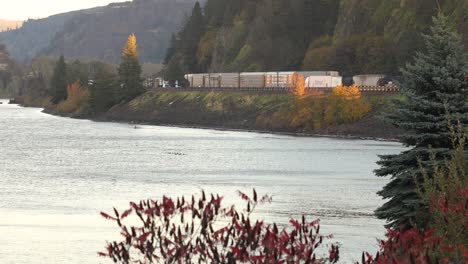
[
  {"x": 99, "y": 33},
  {"x": 352, "y": 36},
  {"x": 28, "y": 41}
]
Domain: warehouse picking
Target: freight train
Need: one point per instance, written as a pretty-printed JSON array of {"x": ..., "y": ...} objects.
[{"x": 313, "y": 79}]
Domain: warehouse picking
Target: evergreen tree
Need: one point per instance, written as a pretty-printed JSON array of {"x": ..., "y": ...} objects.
[
  {"x": 77, "y": 71},
  {"x": 171, "y": 50},
  {"x": 190, "y": 38},
  {"x": 131, "y": 83},
  {"x": 173, "y": 70},
  {"x": 435, "y": 86},
  {"x": 102, "y": 91},
  {"x": 59, "y": 81}
]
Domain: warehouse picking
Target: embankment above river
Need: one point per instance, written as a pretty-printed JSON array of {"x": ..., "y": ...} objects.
[
  {"x": 276, "y": 113},
  {"x": 312, "y": 115}
]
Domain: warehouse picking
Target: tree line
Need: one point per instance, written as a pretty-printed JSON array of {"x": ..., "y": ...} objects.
[
  {"x": 105, "y": 85},
  {"x": 351, "y": 37}
]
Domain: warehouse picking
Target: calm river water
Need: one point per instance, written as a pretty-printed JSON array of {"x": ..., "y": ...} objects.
[{"x": 57, "y": 174}]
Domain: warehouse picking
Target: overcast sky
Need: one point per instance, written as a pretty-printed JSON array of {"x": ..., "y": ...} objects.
[{"x": 24, "y": 9}]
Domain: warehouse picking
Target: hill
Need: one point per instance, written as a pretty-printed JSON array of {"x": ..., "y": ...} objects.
[
  {"x": 34, "y": 36},
  {"x": 100, "y": 33},
  {"x": 351, "y": 36},
  {"x": 6, "y": 25}
]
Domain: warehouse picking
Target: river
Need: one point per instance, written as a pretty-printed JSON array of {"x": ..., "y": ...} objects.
[{"x": 57, "y": 174}]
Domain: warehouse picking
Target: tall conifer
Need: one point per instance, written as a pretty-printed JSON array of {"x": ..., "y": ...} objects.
[
  {"x": 435, "y": 85},
  {"x": 190, "y": 38},
  {"x": 102, "y": 91},
  {"x": 131, "y": 83},
  {"x": 59, "y": 81}
]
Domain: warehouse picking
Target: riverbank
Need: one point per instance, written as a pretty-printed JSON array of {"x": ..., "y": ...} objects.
[{"x": 317, "y": 116}]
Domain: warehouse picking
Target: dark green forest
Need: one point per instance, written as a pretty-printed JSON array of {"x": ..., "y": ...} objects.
[{"x": 351, "y": 36}]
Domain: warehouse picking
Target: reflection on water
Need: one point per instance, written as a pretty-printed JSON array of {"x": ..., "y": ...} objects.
[{"x": 56, "y": 174}]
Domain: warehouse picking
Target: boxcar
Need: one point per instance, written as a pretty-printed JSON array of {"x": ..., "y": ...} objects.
[
  {"x": 278, "y": 79},
  {"x": 196, "y": 80},
  {"x": 212, "y": 80},
  {"x": 229, "y": 80},
  {"x": 285, "y": 79},
  {"x": 252, "y": 79}
]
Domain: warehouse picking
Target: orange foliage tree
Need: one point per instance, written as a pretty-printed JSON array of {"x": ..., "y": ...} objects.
[
  {"x": 348, "y": 92},
  {"x": 298, "y": 84},
  {"x": 77, "y": 100}
]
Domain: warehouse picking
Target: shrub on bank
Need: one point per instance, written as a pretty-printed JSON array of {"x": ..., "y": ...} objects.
[
  {"x": 343, "y": 106},
  {"x": 76, "y": 102}
]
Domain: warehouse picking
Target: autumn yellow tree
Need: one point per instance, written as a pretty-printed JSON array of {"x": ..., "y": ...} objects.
[
  {"x": 298, "y": 84},
  {"x": 345, "y": 105},
  {"x": 347, "y": 92},
  {"x": 130, "y": 49},
  {"x": 131, "y": 83}
]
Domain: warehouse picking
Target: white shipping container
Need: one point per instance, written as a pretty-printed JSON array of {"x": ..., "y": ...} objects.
[
  {"x": 322, "y": 81},
  {"x": 319, "y": 73},
  {"x": 336, "y": 81}
]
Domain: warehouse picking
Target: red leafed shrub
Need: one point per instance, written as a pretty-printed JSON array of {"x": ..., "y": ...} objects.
[
  {"x": 401, "y": 247},
  {"x": 202, "y": 230}
]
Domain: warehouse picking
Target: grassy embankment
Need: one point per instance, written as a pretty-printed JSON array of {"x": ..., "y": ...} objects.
[
  {"x": 313, "y": 114},
  {"x": 326, "y": 115}
]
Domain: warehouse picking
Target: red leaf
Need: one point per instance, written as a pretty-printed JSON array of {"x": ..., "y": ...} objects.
[
  {"x": 243, "y": 196},
  {"x": 135, "y": 206},
  {"x": 295, "y": 223},
  {"x": 126, "y": 213},
  {"x": 106, "y": 216},
  {"x": 143, "y": 237}
]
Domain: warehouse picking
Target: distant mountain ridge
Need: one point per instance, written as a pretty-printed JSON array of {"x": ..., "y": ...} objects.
[{"x": 100, "y": 33}]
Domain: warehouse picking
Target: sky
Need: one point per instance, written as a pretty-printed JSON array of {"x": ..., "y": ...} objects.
[{"x": 24, "y": 9}]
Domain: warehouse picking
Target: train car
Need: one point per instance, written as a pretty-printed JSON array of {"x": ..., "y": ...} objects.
[
  {"x": 319, "y": 73},
  {"x": 196, "y": 79},
  {"x": 252, "y": 79},
  {"x": 278, "y": 79},
  {"x": 230, "y": 80},
  {"x": 367, "y": 79},
  {"x": 212, "y": 80},
  {"x": 286, "y": 79},
  {"x": 323, "y": 81}
]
